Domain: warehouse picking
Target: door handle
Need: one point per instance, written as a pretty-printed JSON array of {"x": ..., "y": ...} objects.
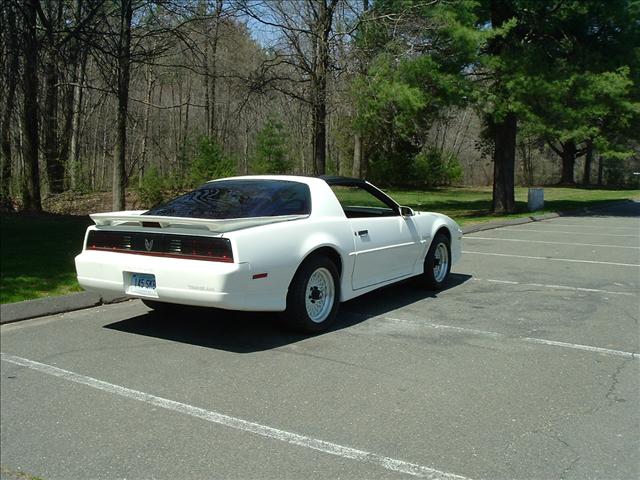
[{"x": 362, "y": 233}]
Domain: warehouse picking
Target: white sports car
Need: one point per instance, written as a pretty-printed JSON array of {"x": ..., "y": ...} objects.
[{"x": 292, "y": 244}]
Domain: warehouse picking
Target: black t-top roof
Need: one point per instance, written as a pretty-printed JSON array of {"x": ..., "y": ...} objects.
[{"x": 336, "y": 180}]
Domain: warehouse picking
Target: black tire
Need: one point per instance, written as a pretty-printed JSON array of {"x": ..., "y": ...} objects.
[
  {"x": 435, "y": 273},
  {"x": 161, "y": 307},
  {"x": 305, "y": 313}
]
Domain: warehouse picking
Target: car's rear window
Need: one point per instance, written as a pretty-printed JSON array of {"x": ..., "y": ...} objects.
[{"x": 239, "y": 199}]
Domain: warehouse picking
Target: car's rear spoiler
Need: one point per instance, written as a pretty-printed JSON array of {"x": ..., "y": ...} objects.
[{"x": 135, "y": 218}]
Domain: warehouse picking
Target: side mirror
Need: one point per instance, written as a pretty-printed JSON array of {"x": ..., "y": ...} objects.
[{"x": 406, "y": 212}]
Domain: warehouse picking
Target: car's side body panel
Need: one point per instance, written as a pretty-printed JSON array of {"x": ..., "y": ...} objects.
[
  {"x": 386, "y": 249},
  {"x": 266, "y": 255}
]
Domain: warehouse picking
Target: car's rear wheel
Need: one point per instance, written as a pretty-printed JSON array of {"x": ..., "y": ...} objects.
[
  {"x": 313, "y": 297},
  {"x": 437, "y": 264}
]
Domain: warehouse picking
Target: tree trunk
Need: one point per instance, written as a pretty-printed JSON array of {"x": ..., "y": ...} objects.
[
  {"x": 322, "y": 30},
  {"x": 10, "y": 73},
  {"x": 504, "y": 152},
  {"x": 55, "y": 169},
  {"x": 214, "y": 71},
  {"x": 319, "y": 133},
  {"x": 569, "y": 152},
  {"x": 245, "y": 157},
  {"x": 185, "y": 131},
  {"x": 31, "y": 177},
  {"x": 103, "y": 170},
  {"x": 206, "y": 86},
  {"x": 356, "y": 171},
  {"x": 64, "y": 139},
  {"x": 588, "y": 161},
  {"x": 502, "y": 132},
  {"x": 95, "y": 164},
  {"x": 600, "y": 169},
  {"x": 145, "y": 131},
  {"x": 93, "y": 172},
  {"x": 123, "y": 72},
  {"x": 74, "y": 153}
]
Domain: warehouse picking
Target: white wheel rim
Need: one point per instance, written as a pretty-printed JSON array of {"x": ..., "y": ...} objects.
[
  {"x": 319, "y": 295},
  {"x": 441, "y": 262}
]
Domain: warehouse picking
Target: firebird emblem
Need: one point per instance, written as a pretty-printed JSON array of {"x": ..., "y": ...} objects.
[{"x": 148, "y": 244}]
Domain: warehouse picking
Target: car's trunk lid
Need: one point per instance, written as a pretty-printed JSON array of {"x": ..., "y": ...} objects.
[{"x": 135, "y": 218}]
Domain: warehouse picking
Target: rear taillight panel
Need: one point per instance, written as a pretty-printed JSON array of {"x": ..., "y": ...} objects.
[{"x": 161, "y": 245}]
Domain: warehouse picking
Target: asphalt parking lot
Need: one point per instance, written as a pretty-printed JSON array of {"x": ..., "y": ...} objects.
[{"x": 527, "y": 367}]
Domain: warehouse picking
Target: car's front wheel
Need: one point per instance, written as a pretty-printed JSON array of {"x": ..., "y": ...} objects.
[
  {"x": 313, "y": 297},
  {"x": 437, "y": 264}
]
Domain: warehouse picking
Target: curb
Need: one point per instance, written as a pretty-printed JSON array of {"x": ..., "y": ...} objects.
[
  {"x": 537, "y": 218},
  {"x": 14, "y": 312},
  {"x": 507, "y": 223},
  {"x": 40, "y": 307}
]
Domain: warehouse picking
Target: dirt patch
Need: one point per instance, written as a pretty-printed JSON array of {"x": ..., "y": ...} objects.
[{"x": 72, "y": 203}]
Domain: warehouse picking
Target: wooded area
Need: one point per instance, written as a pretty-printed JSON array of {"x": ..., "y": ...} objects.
[{"x": 163, "y": 95}]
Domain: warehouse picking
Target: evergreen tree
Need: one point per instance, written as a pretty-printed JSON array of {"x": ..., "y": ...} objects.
[
  {"x": 271, "y": 149},
  {"x": 419, "y": 55},
  {"x": 565, "y": 68},
  {"x": 210, "y": 163},
  {"x": 584, "y": 98}
]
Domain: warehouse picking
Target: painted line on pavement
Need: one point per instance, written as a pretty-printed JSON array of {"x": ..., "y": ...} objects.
[
  {"x": 556, "y": 287},
  {"x": 546, "y": 242},
  {"x": 601, "y": 227},
  {"x": 535, "y": 230},
  {"x": 469, "y": 252},
  {"x": 238, "y": 423},
  {"x": 538, "y": 341}
]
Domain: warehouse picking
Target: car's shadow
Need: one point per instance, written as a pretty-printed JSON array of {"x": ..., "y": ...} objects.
[
  {"x": 627, "y": 208},
  {"x": 246, "y": 332}
]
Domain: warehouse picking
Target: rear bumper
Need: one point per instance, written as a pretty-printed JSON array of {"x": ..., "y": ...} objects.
[{"x": 188, "y": 282}]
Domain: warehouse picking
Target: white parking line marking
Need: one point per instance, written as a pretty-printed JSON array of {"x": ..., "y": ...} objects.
[
  {"x": 539, "y": 341},
  {"x": 544, "y": 241},
  {"x": 239, "y": 424},
  {"x": 557, "y": 287},
  {"x": 551, "y": 258},
  {"x": 601, "y": 227},
  {"x": 535, "y": 230}
]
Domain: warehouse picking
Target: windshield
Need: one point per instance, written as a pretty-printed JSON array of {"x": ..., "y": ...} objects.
[{"x": 239, "y": 199}]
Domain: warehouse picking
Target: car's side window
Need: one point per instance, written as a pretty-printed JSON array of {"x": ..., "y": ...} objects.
[{"x": 358, "y": 202}]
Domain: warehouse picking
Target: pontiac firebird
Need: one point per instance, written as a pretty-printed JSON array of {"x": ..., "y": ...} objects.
[{"x": 291, "y": 244}]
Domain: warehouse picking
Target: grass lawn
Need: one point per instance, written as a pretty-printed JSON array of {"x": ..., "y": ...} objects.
[
  {"x": 36, "y": 252},
  {"x": 469, "y": 205},
  {"x": 36, "y": 255}
]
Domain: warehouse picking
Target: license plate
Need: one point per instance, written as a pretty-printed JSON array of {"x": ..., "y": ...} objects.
[{"x": 144, "y": 282}]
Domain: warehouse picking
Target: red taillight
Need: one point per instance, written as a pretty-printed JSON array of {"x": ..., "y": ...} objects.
[
  {"x": 216, "y": 249},
  {"x": 100, "y": 240},
  {"x": 162, "y": 245}
]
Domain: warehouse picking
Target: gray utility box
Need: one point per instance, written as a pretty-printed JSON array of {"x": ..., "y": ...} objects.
[{"x": 536, "y": 199}]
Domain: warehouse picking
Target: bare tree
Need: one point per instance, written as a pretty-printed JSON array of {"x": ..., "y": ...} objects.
[
  {"x": 123, "y": 74},
  {"x": 31, "y": 121},
  {"x": 8, "y": 38},
  {"x": 359, "y": 168},
  {"x": 62, "y": 56},
  {"x": 301, "y": 57}
]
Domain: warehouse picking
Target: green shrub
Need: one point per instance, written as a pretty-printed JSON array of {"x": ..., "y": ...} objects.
[
  {"x": 209, "y": 163},
  {"x": 152, "y": 188},
  {"x": 436, "y": 168},
  {"x": 271, "y": 149}
]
